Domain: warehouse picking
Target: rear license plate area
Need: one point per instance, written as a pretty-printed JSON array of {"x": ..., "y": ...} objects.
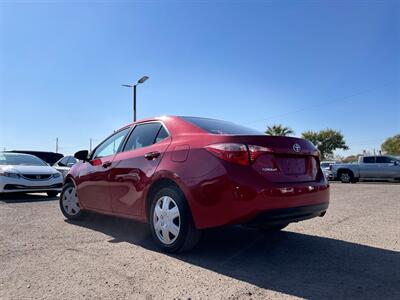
[{"x": 293, "y": 165}]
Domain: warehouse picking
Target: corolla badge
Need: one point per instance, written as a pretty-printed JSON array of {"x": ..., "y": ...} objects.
[
  {"x": 296, "y": 147},
  {"x": 269, "y": 169}
]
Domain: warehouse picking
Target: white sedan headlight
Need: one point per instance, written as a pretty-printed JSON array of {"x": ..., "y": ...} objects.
[
  {"x": 10, "y": 174},
  {"x": 56, "y": 175}
]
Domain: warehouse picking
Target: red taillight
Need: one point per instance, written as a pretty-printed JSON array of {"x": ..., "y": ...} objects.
[
  {"x": 237, "y": 153},
  {"x": 232, "y": 152},
  {"x": 256, "y": 151}
]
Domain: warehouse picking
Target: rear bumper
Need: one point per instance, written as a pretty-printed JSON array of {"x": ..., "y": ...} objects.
[
  {"x": 281, "y": 204},
  {"x": 289, "y": 215},
  {"x": 240, "y": 197}
]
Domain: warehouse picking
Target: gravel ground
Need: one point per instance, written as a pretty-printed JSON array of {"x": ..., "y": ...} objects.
[{"x": 353, "y": 252}]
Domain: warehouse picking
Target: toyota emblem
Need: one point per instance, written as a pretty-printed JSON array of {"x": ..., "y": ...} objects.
[{"x": 296, "y": 148}]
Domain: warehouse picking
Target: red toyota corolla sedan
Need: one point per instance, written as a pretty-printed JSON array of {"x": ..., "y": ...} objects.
[{"x": 184, "y": 174}]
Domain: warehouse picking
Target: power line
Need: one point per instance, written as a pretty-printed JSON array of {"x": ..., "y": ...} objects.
[
  {"x": 370, "y": 140},
  {"x": 365, "y": 143},
  {"x": 325, "y": 103}
]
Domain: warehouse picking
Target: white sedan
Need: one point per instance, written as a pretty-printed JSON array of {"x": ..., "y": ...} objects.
[{"x": 28, "y": 173}]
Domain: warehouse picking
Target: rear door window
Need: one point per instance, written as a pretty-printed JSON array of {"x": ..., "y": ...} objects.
[
  {"x": 162, "y": 134},
  {"x": 143, "y": 135},
  {"x": 369, "y": 160}
]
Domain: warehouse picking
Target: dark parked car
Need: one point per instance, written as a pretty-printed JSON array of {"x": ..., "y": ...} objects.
[{"x": 184, "y": 174}]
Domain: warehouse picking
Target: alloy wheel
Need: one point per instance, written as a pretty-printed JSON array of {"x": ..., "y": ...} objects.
[{"x": 345, "y": 177}]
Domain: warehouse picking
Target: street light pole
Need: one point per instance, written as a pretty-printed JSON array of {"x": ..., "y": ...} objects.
[
  {"x": 134, "y": 103},
  {"x": 133, "y": 87}
]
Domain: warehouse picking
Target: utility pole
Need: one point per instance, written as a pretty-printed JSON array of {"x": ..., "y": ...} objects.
[
  {"x": 133, "y": 87},
  {"x": 56, "y": 144},
  {"x": 90, "y": 145}
]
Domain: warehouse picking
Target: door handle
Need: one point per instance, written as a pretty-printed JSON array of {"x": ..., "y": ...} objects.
[
  {"x": 152, "y": 155},
  {"x": 106, "y": 164}
]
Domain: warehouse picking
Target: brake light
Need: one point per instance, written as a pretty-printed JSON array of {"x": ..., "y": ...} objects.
[
  {"x": 256, "y": 151},
  {"x": 238, "y": 153},
  {"x": 232, "y": 152}
]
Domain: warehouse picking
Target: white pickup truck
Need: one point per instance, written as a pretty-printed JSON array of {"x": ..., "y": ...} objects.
[{"x": 382, "y": 167}]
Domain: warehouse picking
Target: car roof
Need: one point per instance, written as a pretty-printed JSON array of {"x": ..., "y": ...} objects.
[
  {"x": 17, "y": 153},
  {"x": 166, "y": 118},
  {"x": 175, "y": 124}
]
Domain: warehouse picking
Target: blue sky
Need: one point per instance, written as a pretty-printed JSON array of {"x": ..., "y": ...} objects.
[{"x": 307, "y": 65}]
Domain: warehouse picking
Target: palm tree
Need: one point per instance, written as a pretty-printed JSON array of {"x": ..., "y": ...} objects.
[{"x": 279, "y": 129}]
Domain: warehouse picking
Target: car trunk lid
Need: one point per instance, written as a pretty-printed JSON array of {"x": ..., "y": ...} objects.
[{"x": 282, "y": 159}]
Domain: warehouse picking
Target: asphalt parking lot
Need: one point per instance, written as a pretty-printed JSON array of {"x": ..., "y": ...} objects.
[{"x": 353, "y": 252}]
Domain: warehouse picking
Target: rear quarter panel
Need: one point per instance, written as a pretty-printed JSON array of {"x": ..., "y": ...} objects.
[{"x": 219, "y": 192}]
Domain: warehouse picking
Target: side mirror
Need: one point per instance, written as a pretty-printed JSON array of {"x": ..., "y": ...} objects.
[{"x": 82, "y": 155}]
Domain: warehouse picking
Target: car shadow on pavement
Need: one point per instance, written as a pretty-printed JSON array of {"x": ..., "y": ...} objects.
[
  {"x": 288, "y": 262},
  {"x": 22, "y": 198}
]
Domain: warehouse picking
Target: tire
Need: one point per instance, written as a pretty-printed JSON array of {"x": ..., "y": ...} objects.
[
  {"x": 171, "y": 221},
  {"x": 69, "y": 203},
  {"x": 346, "y": 177},
  {"x": 52, "y": 194}
]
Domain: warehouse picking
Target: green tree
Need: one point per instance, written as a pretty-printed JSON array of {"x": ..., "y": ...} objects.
[
  {"x": 312, "y": 136},
  {"x": 327, "y": 141},
  {"x": 279, "y": 130},
  {"x": 392, "y": 145}
]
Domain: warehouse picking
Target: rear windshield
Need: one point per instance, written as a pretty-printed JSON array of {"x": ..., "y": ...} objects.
[
  {"x": 20, "y": 159},
  {"x": 220, "y": 127}
]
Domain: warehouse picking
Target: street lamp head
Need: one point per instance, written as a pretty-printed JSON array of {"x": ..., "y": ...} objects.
[{"x": 143, "y": 79}]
